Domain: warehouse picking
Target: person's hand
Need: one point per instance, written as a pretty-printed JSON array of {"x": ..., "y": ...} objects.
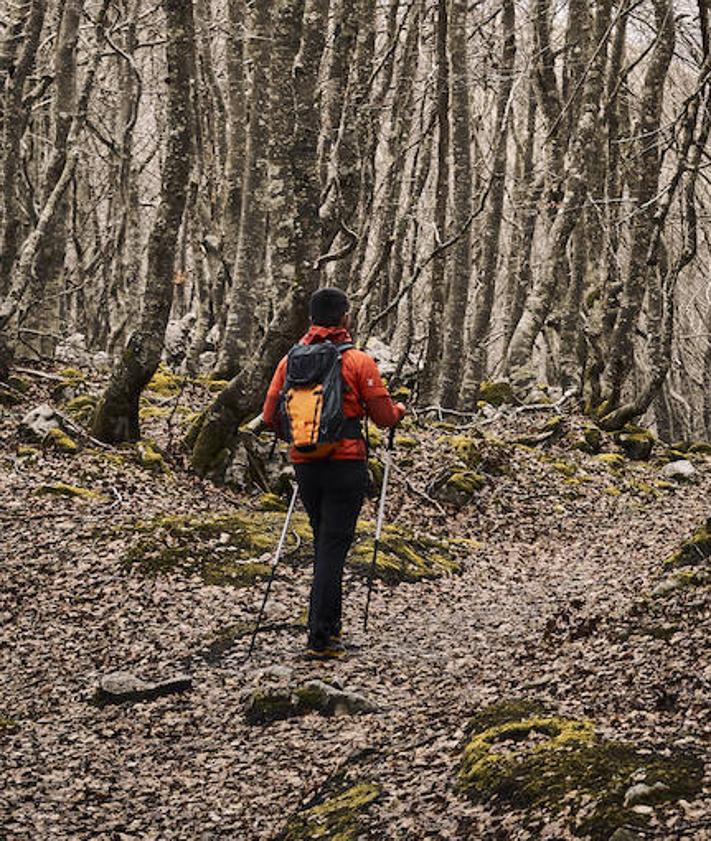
[{"x": 401, "y": 409}]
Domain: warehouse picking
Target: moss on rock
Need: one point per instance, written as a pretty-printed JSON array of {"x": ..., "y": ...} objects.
[
  {"x": 613, "y": 460},
  {"x": 518, "y": 754},
  {"x": 402, "y": 556},
  {"x": 694, "y": 551},
  {"x": 271, "y": 502},
  {"x": 62, "y": 442},
  {"x": 83, "y": 408},
  {"x": 636, "y": 442},
  {"x": 148, "y": 456},
  {"x": 165, "y": 382},
  {"x": 702, "y": 448},
  {"x": 63, "y": 489},
  {"x": 335, "y": 818},
  {"x": 221, "y": 548},
  {"x": 496, "y": 393}
]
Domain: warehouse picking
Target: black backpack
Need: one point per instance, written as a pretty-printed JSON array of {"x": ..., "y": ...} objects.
[{"x": 310, "y": 409}]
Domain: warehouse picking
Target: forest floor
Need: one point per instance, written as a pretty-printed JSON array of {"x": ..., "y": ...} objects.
[{"x": 554, "y": 624}]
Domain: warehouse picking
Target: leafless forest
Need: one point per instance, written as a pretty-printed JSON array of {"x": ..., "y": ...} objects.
[
  {"x": 516, "y": 195},
  {"x": 508, "y": 190}
]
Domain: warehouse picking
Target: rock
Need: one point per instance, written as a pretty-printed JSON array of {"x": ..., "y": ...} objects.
[
  {"x": 458, "y": 488},
  {"x": 40, "y": 421},
  {"x": 206, "y": 361},
  {"x": 72, "y": 351},
  {"x": 123, "y": 687},
  {"x": 694, "y": 551},
  {"x": 636, "y": 443},
  {"x": 177, "y": 339},
  {"x": 643, "y": 793},
  {"x": 496, "y": 393},
  {"x": 101, "y": 361},
  {"x": 623, "y": 834},
  {"x": 275, "y": 698},
  {"x": 680, "y": 471}
]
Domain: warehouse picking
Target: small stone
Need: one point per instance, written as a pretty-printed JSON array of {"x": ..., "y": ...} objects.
[
  {"x": 40, "y": 421},
  {"x": 643, "y": 810},
  {"x": 623, "y": 834},
  {"x": 680, "y": 471},
  {"x": 123, "y": 687},
  {"x": 642, "y": 793},
  {"x": 669, "y": 584}
]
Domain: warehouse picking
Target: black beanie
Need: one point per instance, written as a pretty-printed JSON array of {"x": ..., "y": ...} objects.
[{"x": 328, "y": 306}]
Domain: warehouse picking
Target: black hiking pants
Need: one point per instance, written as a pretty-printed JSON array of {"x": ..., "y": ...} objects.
[{"x": 332, "y": 493}]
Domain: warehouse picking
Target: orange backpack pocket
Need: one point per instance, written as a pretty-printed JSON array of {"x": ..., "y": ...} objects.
[{"x": 303, "y": 408}]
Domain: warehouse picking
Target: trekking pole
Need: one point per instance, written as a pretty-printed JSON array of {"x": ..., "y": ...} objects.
[
  {"x": 277, "y": 556},
  {"x": 379, "y": 521}
]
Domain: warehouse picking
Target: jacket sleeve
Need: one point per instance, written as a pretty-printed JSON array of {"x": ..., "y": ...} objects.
[
  {"x": 374, "y": 394},
  {"x": 271, "y": 401}
]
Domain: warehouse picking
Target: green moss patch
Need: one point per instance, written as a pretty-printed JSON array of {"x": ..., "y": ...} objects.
[
  {"x": 613, "y": 460},
  {"x": 7, "y": 725},
  {"x": 496, "y": 393},
  {"x": 222, "y": 548},
  {"x": 62, "y": 489},
  {"x": 519, "y": 754},
  {"x": 62, "y": 442},
  {"x": 336, "y": 817},
  {"x": 148, "y": 456},
  {"x": 696, "y": 550},
  {"x": 402, "y": 555},
  {"x": 83, "y": 408},
  {"x": 166, "y": 383}
]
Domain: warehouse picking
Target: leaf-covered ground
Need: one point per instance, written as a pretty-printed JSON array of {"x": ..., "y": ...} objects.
[{"x": 555, "y": 607}]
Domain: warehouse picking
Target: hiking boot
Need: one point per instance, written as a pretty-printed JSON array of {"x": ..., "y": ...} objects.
[{"x": 333, "y": 650}]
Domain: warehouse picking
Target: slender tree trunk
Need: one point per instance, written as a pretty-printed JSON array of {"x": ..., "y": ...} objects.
[
  {"x": 14, "y": 122},
  {"x": 212, "y": 435},
  {"x": 117, "y": 414},
  {"x": 645, "y": 187},
  {"x": 475, "y": 358},
  {"x": 247, "y": 278},
  {"x": 429, "y": 388}
]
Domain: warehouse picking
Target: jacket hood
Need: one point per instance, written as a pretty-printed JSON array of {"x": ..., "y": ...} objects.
[{"x": 317, "y": 334}]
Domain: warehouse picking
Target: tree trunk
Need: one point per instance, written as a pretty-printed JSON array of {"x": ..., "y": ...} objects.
[
  {"x": 429, "y": 387},
  {"x": 117, "y": 414},
  {"x": 475, "y": 358},
  {"x": 212, "y": 435},
  {"x": 248, "y": 277},
  {"x": 645, "y": 186}
]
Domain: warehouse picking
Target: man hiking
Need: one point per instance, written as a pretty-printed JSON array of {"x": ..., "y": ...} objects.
[{"x": 331, "y": 472}]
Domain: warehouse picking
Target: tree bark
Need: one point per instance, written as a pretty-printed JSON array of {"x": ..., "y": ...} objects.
[
  {"x": 429, "y": 387},
  {"x": 117, "y": 414},
  {"x": 475, "y": 357}
]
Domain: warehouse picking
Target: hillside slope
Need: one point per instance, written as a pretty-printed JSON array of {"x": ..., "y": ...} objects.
[{"x": 541, "y": 674}]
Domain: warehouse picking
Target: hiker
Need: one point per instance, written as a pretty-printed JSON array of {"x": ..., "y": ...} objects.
[{"x": 332, "y": 476}]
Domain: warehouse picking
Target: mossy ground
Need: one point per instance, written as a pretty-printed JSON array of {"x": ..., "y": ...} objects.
[
  {"x": 335, "y": 818},
  {"x": 695, "y": 551},
  {"x": 519, "y": 754},
  {"x": 62, "y": 442},
  {"x": 222, "y": 548},
  {"x": 63, "y": 489}
]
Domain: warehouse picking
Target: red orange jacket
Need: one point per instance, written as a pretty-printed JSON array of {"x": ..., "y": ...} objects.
[{"x": 366, "y": 394}]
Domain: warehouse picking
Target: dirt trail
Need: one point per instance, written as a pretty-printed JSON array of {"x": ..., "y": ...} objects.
[{"x": 544, "y": 610}]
